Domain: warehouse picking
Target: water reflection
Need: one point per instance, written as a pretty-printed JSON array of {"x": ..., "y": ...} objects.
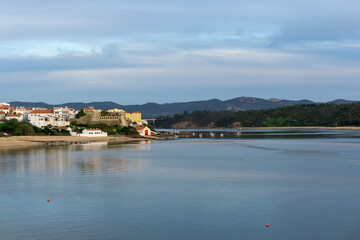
[
  {"x": 60, "y": 160},
  {"x": 286, "y": 133},
  {"x": 219, "y": 189}
]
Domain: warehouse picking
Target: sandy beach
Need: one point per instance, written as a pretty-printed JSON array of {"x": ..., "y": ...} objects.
[{"x": 37, "y": 141}]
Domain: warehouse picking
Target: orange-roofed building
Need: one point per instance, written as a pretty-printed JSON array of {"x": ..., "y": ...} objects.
[
  {"x": 42, "y": 112},
  {"x": 5, "y": 109},
  {"x": 18, "y": 116}
]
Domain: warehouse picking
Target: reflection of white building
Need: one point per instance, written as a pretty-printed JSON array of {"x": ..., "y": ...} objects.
[{"x": 90, "y": 133}]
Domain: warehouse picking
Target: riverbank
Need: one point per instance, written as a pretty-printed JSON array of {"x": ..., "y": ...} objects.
[
  {"x": 38, "y": 141},
  {"x": 325, "y": 128},
  {"x": 265, "y": 128}
]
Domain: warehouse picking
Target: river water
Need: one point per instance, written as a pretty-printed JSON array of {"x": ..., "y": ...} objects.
[{"x": 305, "y": 184}]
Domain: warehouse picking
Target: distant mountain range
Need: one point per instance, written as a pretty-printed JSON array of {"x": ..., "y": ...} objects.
[{"x": 150, "y": 110}]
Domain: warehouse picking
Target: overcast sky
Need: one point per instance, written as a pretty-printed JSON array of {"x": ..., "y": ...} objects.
[{"x": 137, "y": 51}]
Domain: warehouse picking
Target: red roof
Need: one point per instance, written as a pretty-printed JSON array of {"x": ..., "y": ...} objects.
[
  {"x": 88, "y": 109},
  {"x": 12, "y": 115},
  {"x": 42, "y": 111},
  {"x": 139, "y": 128}
]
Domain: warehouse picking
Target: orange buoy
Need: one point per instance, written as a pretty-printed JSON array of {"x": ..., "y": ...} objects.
[
  {"x": 267, "y": 225},
  {"x": 48, "y": 200}
]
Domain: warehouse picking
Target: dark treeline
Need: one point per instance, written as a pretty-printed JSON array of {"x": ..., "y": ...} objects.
[{"x": 327, "y": 115}]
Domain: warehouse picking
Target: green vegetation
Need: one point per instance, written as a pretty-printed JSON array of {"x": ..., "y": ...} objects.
[
  {"x": 80, "y": 113},
  {"x": 15, "y": 128},
  {"x": 327, "y": 115}
]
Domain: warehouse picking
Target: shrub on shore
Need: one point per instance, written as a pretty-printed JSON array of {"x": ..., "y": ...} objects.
[{"x": 15, "y": 128}]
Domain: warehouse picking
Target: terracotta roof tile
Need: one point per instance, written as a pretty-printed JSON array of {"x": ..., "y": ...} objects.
[{"x": 42, "y": 111}]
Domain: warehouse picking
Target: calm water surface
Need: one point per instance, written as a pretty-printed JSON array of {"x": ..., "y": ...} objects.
[{"x": 305, "y": 184}]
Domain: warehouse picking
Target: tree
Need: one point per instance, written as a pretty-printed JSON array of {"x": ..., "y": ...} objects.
[
  {"x": 80, "y": 114},
  {"x": 25, "y": 129}
]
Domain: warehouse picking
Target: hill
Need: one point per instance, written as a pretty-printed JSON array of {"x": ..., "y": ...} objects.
[
  {"x": 151, "y": 110},
  {"x": 327, "y": 115}
]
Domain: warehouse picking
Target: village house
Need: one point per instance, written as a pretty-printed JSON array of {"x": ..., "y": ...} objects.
[
  {"x": 2, "y": 115},
  {"x": 143, "y": 131},
  {"x": 64, "y": 112},
  {"x": 89, "y": 133},
  {"x": 134, "y": 117},
  {"x": 17, "y": 116},
  {"x": 5, "y": 109},
  {"x": 4, "y": 104},
  {"x": 43, "y": 121},
  {"x": 43, "y": 118}
]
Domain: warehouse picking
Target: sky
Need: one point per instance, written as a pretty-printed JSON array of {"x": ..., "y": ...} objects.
[{"x": 138, "y": 51}]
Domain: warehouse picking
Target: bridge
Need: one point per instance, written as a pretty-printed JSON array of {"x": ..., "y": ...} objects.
[{"x": 150, "y": 119}]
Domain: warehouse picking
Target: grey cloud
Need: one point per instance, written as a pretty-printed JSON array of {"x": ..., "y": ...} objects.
[
  {"x": 158, "y": 42},
  {"x": 111, "y": 49},
  {"x": 61, "y": 62},
  {"x": 329, "y": 29}
]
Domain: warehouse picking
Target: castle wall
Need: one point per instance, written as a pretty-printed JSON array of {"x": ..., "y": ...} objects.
[{"x": 94, "y": 118}]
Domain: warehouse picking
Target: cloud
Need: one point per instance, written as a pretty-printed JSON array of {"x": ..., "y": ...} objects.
[{"x": 140, "y": 45}]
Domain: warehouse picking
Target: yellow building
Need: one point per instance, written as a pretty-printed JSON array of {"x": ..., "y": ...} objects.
[
  {"x": 91, "y": 109},
  {"x": 134, "y": 117},
  {"x": 115, "y": 110}
]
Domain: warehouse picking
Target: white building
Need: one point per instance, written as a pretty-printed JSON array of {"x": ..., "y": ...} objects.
[
  {"x": 64, "y": 112},
  {"x": 143, "y": 131},
  {"x": 23, "y": 110},
  {"x": 43, "y": 118},
  {"x": 90, "y": 133},
  {"x": 43, "y": 112},
  {"x": 5, "y": 109},
  {"x": 4, "y": 104},
  {"x": 18, "y": 116},
  {"x": 43, "y": 121},
  {"x": 2, "y": 115}
]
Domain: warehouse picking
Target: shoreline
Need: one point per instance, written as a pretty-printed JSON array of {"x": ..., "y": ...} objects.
[
  {"x": 21, "y": 142},
  {"x": 326, "y": 128},
  {"x": 249, "y": 128}
]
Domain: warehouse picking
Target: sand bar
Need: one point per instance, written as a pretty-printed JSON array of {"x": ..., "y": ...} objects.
[{"x": 34, "y": 141}]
